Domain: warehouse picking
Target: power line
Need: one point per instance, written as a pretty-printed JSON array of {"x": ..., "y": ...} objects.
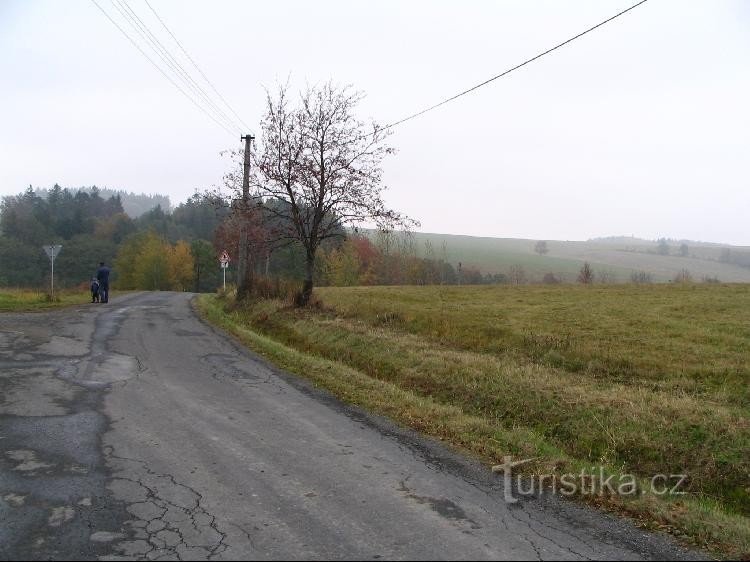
[
  {"x": 181, "y": 69},
  {"x": 181, "y": 73},
  {"x": 540, "y": 55},
  {"x": 161, "y": 71},
  {"x": 197, "y": 67},
  {"x": 156, "y": 46},
  {"x": 129, "y": 38}
]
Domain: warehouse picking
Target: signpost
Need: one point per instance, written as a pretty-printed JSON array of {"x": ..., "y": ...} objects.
[
  {"x": 52, "y": 251},
  {"x": 224, "y": 260}
]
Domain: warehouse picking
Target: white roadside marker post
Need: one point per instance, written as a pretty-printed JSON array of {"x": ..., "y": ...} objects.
[{"x": 52, "y": 251}]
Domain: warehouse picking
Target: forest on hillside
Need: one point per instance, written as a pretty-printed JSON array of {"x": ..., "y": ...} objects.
[
  {"x": 92, "y": 228},
  {"x": 178, "y": 250},
  {"x": 133, "y": 204}
]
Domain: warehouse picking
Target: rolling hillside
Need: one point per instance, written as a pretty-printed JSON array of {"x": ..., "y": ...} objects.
[{"x": 618, "y": 257}]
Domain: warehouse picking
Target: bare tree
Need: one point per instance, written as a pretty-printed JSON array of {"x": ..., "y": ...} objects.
[
  {"x": 606, "y": 277},
  {"x": 641, "y": 277},
  {"x": 321, "y": 166},
  {"x": 586, "y": 275},
  {"x": 662, "y": 247},
  {"x": 683, "y": 276},
  {"x": 541, "y": 247},
  {"x": 517, "y": 275}
]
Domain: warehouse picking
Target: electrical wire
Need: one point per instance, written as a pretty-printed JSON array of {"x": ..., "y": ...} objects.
[
  {"x": 505, "y": 73},
  {"x": 161, "y": 71},
  {"x": 188, "y": 76},
  {"x": 179, "y": 44},
  {"x": 180, "y": 71},
  {"x": 158, "y": 48}
]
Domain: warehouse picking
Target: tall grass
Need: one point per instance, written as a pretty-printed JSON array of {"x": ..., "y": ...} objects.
[{"x": 22, "y": 300}]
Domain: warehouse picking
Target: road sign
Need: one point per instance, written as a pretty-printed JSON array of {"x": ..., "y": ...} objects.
[
  {"x": 224, "y": 259},
  {"x": 52, "y": 251}
]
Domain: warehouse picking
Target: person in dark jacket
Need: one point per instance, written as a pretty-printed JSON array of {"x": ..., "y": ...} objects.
[
  {"x": 102, "y": 275},
  {"x": 94, "y": 290}
]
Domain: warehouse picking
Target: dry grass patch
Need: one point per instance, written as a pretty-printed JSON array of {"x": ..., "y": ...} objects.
[{"x": 25, "y": 300}]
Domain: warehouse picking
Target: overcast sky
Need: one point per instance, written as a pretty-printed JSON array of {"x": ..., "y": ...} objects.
[{"x": 642, "y": 127}]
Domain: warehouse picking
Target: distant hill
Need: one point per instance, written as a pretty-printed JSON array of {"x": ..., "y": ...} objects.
[
  {"x": 617, "y": 257},
  {"x": 134, "y": 204},
  {"x": 634, "y": 241},
  {"x": 619, "y": 240}
]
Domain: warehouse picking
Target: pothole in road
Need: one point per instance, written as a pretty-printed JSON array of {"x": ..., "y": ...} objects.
[
  {"x": 27, "y": 461},
  {"x": 227, "y": 365},
  {"x": 65, "y": 347},
  {"x": 34, "y": 392},
  {"x": 100, "y": 372}
]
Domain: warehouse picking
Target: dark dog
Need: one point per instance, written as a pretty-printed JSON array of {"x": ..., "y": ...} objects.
[{"x": 95, "y": 290}]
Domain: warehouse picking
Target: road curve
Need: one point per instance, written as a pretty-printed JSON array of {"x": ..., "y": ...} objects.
[{"x": 135, "y": 431}]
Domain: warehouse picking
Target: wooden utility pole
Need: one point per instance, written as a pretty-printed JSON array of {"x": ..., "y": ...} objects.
[{"x": 242, "y": 266}]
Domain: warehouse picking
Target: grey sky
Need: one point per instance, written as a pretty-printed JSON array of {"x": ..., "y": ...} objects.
[{"x": 642, "y": 127}]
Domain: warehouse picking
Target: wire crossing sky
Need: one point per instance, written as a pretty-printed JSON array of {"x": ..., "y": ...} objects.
[
  {"x": 197, "y": 104},
  {"x": 640, "y": 129},
  {"x": 524, "y": 63},
  {"x": 142, "y": 29},
  {"x": 195, "y": 64},
  {"x": 191, "y": 88}
]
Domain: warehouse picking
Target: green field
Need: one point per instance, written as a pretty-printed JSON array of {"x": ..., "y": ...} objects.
[
  {"x": 642, "y": 380},
  {"x": 617, "y": 257},
  {"x": 25, "y": 300}
]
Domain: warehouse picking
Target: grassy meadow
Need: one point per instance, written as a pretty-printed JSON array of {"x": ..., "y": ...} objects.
[
  {"x": 641, "y": 380},
  {"x": 27, "y": 300},
  {"x": 619, "y": 258}
]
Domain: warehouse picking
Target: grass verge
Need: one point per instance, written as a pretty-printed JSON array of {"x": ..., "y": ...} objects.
[
  {"x": 27, "y": 300},
  {"x": 429, "y": 367}
]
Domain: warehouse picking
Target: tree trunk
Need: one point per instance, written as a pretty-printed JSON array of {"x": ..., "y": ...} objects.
[
  {"x": 307, "y": 286},
  {"x": 243, "y": 285}
]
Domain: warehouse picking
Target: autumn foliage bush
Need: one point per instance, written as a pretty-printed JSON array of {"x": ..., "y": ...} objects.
[{"x": 149, "y": 262}]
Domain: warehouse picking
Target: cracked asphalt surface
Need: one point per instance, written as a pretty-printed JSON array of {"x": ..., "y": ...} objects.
[{"x": 135, "y": 431}]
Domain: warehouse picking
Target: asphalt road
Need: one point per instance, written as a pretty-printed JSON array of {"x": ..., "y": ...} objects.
[{"x": 134, "y": 430}]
